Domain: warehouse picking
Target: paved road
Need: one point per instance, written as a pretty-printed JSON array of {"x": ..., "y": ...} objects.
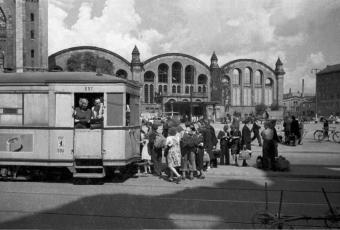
[{"x": 149, "y": 202}]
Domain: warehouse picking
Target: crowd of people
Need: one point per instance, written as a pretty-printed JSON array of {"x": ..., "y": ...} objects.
[{"x": 180, "y": 153}]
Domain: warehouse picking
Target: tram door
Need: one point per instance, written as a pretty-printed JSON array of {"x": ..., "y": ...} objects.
[{"x": 88, "y": 132}]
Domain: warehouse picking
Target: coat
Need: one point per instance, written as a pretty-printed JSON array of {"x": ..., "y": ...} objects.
[{"x": 246, "y": 136}]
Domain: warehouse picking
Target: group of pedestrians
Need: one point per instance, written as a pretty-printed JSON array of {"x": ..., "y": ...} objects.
[
  {"x": 293, "y": 130},
  {"x": 186, "y": 152}
]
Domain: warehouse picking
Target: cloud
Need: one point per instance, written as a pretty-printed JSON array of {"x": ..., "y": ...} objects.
[
  {"x": 293, "y": 77},
  {"x": 115, "y": 29}
]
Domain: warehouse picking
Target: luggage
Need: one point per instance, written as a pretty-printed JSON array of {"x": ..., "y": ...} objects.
[
  {"x": 244, "y": 154},
  {"x": 206, "y": 157},
  {"x": 281, "y": 164}
]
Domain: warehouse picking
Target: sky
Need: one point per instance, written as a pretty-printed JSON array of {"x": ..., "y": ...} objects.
[{"x": 305, "y": 34}]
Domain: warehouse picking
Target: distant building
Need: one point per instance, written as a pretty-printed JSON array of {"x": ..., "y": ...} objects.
[
  {"x": 23, "y": 35},
  {"x": 328, "y": 91},
  {"x": 299, "y": 103}
]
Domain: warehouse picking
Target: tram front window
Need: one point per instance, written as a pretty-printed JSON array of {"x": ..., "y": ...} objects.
[{"x": 89, "y": 113}]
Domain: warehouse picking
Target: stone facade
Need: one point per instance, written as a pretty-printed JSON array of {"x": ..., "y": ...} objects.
[
  {"x": 24, "y": 36},
  {"x": 180, "y": 83},
  {"x": 328, "y": 91}
]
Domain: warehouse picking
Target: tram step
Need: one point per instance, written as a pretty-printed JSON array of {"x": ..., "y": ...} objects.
[
  {"x": 89, "y": 175},
  {"x": 88, "y": 167},
  {"x": 88, "y": 162}
]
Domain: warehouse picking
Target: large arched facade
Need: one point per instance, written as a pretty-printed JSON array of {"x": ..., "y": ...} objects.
[
  {"x": 247, "y": 83},
  {"x": 179, "y": 79}
]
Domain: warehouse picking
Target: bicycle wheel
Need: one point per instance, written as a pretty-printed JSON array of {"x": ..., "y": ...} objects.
[
  {"x": 262, "y": 220},
  {"x": 336, "y": 137},
  {"x": 317, "y": 134}
]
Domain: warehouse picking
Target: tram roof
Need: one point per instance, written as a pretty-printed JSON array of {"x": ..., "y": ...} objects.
[{"x": 61, "y": 77}]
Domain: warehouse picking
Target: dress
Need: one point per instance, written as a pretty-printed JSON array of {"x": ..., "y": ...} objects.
[
  {"x": 174, "y": 154},
  {"x": 145, "y": 152}
]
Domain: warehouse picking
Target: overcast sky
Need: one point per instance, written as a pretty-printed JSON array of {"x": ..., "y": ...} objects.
[{"x": 305, "y": 34}]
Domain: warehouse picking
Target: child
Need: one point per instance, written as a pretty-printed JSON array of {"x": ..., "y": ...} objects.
[
  {"x": 235, "y": 134},
  {"x": 145, "y": 153}
]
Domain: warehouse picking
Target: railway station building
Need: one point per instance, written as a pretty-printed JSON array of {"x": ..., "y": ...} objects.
[{"x": 177, "y": 83}]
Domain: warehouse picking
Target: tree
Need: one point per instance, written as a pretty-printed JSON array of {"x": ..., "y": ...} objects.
[
  {"x": 260, "y": 108},
  {"x": 274, "y": 107}
]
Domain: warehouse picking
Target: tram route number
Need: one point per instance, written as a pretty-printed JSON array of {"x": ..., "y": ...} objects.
[
  {"x": 88, "y": 88},
  {"x": 60, "y": 148}
]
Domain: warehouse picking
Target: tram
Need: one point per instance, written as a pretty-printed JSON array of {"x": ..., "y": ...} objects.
[{"x": 38, "y": 123}]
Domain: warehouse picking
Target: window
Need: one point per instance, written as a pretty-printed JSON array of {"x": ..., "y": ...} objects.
[
  {"x": 204, "y": 89},
  {"x": 63, "y": 110},
  {"x": 149, "y": 76},
  {"x": 146, "y": 94},
  {"x": 32, "y": 34},
  {"x": 178, "y": 89},
  {"x": 11, "y": 109},
  {"x": 36, "y": 109},
  {"x": 152, "y": 95},
  {"x": 199, "y": 89},
  {"x": 176, "y": 72},
  {"x": 165, "y": 89},
  {"x": 258, "y": 78},
  {"x": 32, "y": 53},
  {"x": 186, "y": 89},
  {"x": 160, "y": 89},
  {"x": 202, "y": 79},
  {"x": 173, "y": 89},
  {"x": 189, "y": 74},
  {"x": 247, "y": 76},
  {"x": 2, "y": 19},
  {"x": 121, "y": 74},
  {"x": 115, "y": 107},
  {"x": 236, "y": 77},
  {"x": 32, "y": 17},
  {"x": 163, "y": 70}
]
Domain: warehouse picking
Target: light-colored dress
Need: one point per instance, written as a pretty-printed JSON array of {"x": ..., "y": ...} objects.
[
  {"x": 174, "y": 155},
  {"x": 145, "y": 151}
]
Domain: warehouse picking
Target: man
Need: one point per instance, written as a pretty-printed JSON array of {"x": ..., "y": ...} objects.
[
  {"x": 224, "y": 137},
  {"x": 156, "y": 153},
  {"x": 256, "y": 130},
  {"x": 210, "y": 141},
  {"x": 294, "y": 129},
  {"x": 246, "y": 139}
]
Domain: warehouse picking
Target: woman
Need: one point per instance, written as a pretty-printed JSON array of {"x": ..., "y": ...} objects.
[
  {"x": 174, "y": 152},
  {"x": 188, "y": 150},
  {"x": 235, "y": 134},
  {"x": 268, "y": 147},
  {"x": 82, "y": 115}
]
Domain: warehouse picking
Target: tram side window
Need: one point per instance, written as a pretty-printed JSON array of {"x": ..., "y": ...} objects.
[
  {"x": 11, "y": 109},
  {"x": 134, "y": 110},
  {"x": 36, "y": 109},
  {"x": 115, "y": 109}
]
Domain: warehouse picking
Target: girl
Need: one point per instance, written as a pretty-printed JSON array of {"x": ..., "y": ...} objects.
[
  {"x": 145, "y": 153},
  {"x": 174, "y": 154}
]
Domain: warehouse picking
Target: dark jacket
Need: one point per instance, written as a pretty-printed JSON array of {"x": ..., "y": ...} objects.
[
  {"x": 246, "y": 135},
  {"x": 224, "y": 138},
  {"x": 294, "y": 127},
  {"x": 256, "y": 128}
]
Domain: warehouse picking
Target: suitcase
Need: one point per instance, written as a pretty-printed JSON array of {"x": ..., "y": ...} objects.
[{"x": 282, "y": 164}]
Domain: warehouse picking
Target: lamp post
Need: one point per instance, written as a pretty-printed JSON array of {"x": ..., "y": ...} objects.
[{"x": 316, "y": 94}]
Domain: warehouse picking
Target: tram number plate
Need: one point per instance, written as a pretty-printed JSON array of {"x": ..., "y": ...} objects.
[
  {"x": 88, "y": 88},
  {"x": 60, "y": 148}
]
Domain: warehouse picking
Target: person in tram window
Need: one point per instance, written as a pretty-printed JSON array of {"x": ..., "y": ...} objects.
[
  {"x": 97, "y": 114},
  {"x": 82, "y": 115}
]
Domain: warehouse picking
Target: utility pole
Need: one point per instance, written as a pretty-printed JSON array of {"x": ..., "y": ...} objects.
[{"x": 315, "y": 71}]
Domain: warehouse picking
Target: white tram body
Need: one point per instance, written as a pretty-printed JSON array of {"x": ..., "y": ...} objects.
[{"x": 37, "y": 124}]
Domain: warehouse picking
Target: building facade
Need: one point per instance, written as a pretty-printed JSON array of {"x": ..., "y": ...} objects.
[
  {"x": 23, "y": 35},
  {"x": 182, "y": 84},
  {"x": 328, "y": 91}
]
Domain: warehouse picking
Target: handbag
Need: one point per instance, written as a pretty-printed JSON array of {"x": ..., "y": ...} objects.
[
  {"x": 206, "y": 157},
  {"x": 245, "y": 154}
]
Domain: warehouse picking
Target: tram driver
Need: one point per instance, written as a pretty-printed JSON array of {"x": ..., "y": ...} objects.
[{"x": 82, "y": 115}]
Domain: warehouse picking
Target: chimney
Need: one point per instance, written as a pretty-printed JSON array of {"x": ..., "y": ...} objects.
[{"x": 303, "y": 88}]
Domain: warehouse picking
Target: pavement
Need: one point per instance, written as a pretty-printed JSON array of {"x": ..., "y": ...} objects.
[{"x": 312, "y": 159}]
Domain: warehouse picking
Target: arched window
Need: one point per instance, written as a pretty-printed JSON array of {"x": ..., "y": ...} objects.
[
  {"x": 163, "y": 70},
  {"x": 191, "y": 89},
  {"x": 186, "y": 89},
  {"x": 3, "y": 24},
  {"x": 173, "y": 89},
  {"x": 268, "y": 96},
  {"x": 160, "y": 89},
  {"x": 32, "y": 34},
  {"x": 199, "y": 89},
  {"x": 189, "y": 74},
  {"x": 146, "y": 94},
  {"x": 121, "y": 74},
  {"x": 247, "y": 76},
  {"x": 258, "y": 78},
  {"x": 152, "y": 95},
  {"x": 149, "y": 76},
  {"x": 165, "y": 89},
  {"x": 178, "y": 89},
  {"x": 236, "y": 77},
  {"x": 202, "y": 79},
  {"x": 176, "y": 72}
]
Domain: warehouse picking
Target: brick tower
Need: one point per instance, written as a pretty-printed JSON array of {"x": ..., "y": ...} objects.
[{"x": 24, "y": 35}]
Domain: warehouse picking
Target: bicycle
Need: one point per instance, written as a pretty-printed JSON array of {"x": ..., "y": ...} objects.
[
  {"x": 320, "y": 135},
  {"x": 267, "y": 220}
]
